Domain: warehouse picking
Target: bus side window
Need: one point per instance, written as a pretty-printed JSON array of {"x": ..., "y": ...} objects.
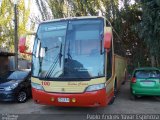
[{"x": 109, "y": 63}]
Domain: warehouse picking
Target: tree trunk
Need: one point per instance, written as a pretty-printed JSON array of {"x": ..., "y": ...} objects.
[
  {"x": 157, "y": 62},
  {"x": 153, "y": 61}
]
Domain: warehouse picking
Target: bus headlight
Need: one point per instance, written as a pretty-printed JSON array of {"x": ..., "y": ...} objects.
[
  {"x": 95, "y": 87},
  {"x": 37, "y": 86}
]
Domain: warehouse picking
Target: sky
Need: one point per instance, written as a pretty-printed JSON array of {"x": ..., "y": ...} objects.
[
  {"x": 121, "y": 3},
  {"x": 34, "y": 8}
]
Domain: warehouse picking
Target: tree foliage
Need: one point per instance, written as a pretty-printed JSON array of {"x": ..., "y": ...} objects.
[
  {"x": 136, "y": 24},
  {"x": 149, "y": 28},
  {"x": 7, "y": 21}
]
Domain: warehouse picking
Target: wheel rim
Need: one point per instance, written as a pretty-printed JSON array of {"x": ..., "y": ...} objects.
[{"x": 22, "y": 96}]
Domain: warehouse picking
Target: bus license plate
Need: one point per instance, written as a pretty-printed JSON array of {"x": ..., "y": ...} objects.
[{"x": 63, "y": 99}]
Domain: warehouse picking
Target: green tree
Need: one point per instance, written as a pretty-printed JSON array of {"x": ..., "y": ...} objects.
[
  {"x": 149, "y": 28},
  {"x": 123, "y": 19},
  {"x": 7, "y": 22}
]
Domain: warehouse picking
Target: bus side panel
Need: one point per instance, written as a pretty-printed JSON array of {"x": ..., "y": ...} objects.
[{"x": 120, "y": 69}]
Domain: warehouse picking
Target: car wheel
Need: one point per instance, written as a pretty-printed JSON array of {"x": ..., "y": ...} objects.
[
  {"x": 133, "y": 97},
  {"x": 125, "y": 79},
  {"x": 123, "y": 82},
  {"x": 22, "y": 96}
]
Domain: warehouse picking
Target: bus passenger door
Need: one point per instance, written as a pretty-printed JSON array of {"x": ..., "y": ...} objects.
[{"x": 109, "y": 56}]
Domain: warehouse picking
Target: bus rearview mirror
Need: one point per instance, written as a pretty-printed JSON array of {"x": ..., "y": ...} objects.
[
  {"x": 42, "y": 52},
  {"x": 22, "y": 43},
  {"x": 108, "y": 38},
  {"x": 21, "y": 46}
]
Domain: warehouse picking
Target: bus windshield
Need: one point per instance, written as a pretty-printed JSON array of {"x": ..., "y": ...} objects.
[{"x": 69, "y": 49}]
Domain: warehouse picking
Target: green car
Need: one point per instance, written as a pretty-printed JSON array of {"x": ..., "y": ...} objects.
[{"x": 145, "y": 82}]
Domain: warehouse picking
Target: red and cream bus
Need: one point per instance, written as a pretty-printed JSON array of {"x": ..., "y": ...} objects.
[{"x": 74, "y": 64}]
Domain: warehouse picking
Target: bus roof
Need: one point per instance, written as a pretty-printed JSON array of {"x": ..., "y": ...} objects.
[{"x": 71, "y": 18}]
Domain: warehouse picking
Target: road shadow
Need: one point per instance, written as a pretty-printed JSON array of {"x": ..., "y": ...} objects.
[
  {"x": 125, "y": 94},
  {"x": 147, "y": 99},
  {"x": 14, "y": 102},
  {"x": 76, "y": 110},
  {"x": 8, "y": 102}
]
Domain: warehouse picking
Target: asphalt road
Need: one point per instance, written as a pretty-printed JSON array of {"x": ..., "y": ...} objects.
[{"x": 122, "y": 105}]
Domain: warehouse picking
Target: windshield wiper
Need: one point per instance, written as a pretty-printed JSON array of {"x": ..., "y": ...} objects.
[
  {"x": 51, "y": 48},
  {"x": 60, "y": 55},
  {"x": 40, "y": 60},
  {"x": 54, "y": 64},
  {"x": 101, "y": 44},
  {"x": 68, "y": 52}
]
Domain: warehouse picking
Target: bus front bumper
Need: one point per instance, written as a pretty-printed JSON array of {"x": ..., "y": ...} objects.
[{"x": 87, "y": 99}]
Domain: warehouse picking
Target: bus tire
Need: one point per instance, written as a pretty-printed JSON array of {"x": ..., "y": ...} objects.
[
  {"x": 115, "y": 94},
  {"x": 123, "y": 82},
  {"x": 125, "y": 79}
]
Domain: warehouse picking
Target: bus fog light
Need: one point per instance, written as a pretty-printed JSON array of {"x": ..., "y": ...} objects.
[
  {"x": 73, "y": 100},
  {"x": 52, "y": 99}
]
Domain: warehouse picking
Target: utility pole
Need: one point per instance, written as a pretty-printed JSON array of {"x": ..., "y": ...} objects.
[
  {"x": 0, "y": 2},
  {"x": 0, "y": 6},
  {"x": 15, "y": 35}
]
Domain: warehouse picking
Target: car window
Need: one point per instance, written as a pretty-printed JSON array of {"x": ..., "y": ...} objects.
[
  {"x": 18, "y": 75},
  {"x": 147, "y": 74}
]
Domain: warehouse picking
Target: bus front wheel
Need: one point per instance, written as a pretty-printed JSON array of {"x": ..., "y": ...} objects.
[{"x": 114, "y": 96}]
